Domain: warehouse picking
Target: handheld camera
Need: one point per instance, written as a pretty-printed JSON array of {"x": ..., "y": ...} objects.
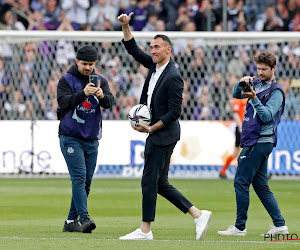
[{"x": 245, "y": 86}]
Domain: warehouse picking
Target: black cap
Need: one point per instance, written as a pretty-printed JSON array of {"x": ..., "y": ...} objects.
[{"x": 87, "y": 53}]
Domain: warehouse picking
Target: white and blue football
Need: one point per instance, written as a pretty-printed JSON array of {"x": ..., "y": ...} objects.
[{"x": 139, "y": 114}]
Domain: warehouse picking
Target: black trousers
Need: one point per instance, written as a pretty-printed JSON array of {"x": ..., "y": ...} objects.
[{"x": 155, "y": 180}]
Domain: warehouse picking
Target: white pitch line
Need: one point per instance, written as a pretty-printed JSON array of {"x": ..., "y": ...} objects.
[{"x": 214, "y": 241}]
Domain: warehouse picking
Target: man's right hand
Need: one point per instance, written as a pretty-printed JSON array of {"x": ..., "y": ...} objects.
[
  {"x": 89, "y": 89},
  {"x": 247, "y": 79},
  {"x": 124, "y": 19}
]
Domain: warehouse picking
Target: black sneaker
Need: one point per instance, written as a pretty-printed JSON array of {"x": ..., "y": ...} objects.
[
  {"x": 222, "y": 176},
  {"x": 87, "y": 224},
  {"x": 72, "y": 227}
]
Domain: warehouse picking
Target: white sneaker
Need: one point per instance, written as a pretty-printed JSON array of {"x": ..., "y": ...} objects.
[
  {"x": 137, "y": 235},
  {"x": 202, "y": 224},
  {"x": 277, "y": 230},
  {"x": 233, "y": 231}
]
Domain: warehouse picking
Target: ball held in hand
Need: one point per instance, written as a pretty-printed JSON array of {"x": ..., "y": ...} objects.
[{"x": 139, "y": 114}]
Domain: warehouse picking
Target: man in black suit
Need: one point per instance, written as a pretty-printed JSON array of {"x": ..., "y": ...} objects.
[{"x": 162, "y": 93}]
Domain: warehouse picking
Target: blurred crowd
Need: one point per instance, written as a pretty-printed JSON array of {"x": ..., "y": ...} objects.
[
  {"x": 29, "y": 72},
  {"x": 155, "y": 15}
]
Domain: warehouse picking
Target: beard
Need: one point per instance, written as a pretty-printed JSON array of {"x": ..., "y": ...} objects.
[
  {"x": 85, "y": 72},
  {"x": 265, "y": 78}
]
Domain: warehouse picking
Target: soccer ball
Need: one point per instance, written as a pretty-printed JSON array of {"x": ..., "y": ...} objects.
[{"x": 139, "y": 114}]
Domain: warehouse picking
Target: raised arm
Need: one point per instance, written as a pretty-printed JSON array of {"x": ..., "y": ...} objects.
[
  {"x": 124, "y": 20},
  {"x": 130, "y": 44}
]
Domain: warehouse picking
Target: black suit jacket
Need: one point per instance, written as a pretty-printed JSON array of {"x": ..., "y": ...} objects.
[{"x": 166, "y": 98}]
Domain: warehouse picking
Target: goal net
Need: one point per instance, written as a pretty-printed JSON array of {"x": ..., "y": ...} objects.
[{"x": 210, "y": 63}]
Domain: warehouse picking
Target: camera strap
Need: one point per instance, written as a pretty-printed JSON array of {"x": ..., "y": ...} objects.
[{"x": 271, "y": 87}]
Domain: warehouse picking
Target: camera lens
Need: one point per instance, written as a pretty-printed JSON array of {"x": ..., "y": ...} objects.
[{"x": 242, "y": 85}]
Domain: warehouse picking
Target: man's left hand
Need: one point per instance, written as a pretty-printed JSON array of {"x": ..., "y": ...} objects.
[
  {"x": 250, "y": 95},
  {"x": 99, "y": 93},
  {"x": 141, "y": 128}
]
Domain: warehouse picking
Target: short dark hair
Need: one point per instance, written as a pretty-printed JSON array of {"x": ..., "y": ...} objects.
[
  {"x": 266, "y": 58},
  {"x": 165, "y": 38}
]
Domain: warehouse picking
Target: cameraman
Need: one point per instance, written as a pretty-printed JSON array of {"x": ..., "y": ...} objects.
[{"x": 259, "y": 135}]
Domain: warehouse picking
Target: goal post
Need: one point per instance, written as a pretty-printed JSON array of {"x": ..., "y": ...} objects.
[{"x": 211, "y": 38}]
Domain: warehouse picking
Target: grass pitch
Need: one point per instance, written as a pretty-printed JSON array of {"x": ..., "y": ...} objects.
[{"x": 33, "y": 213}]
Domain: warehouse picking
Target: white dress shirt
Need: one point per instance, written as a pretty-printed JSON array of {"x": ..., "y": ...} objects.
[{"x": 153, "y": 80}]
